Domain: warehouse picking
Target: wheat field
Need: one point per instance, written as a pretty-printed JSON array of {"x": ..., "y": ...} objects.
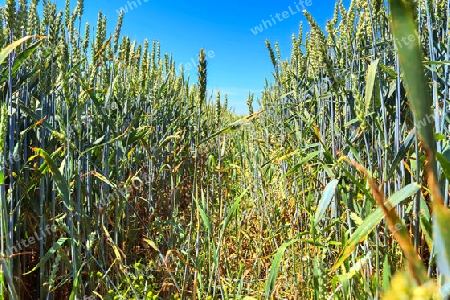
[{"x": 122, "y": 179}]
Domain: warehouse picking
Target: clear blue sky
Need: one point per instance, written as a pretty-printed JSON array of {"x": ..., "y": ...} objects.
[{"x": 224, "y": 28}]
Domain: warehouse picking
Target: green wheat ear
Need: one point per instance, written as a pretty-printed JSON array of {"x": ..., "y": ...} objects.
[
  {"x": 225, "y": 102},
  {"x": 10, "y": 16},
  {"x": 218, "y": 109},
  {"x": 250, "y": 103},
  {"x": 202, "y": 76},
  {"x": 117, "y": 33},
  {"x": 272, "y": 56},
  {"x": 80, "y": 8},
  {"x": 2, "y": 36}
]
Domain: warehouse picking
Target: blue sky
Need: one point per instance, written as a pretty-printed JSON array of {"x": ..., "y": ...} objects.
[{"x": 239, "y": 60}]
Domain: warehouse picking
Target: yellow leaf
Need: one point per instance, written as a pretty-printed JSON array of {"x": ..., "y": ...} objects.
[{"x": 151, "y": 244}]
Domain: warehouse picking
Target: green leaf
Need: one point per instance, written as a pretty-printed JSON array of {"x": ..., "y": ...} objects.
[
  {"x": 357, "y": 183},
  {"x": 439, "y": 136},
  {"x": 353, "y": 121},
  {"x": 358, "y": 265},
  {"x": 327, "y": 195},
  {"x": 425, "y": 222},
  {"x": 8, "y": 278},
  {"x": 445, "y": 164},
  {"x": 233, "y": 209},
  {"x": 49, "y": 254},
  {"x": 371, "y": 76},
  {"x": 11, "y": 47},
  {"x": 76, "y": 282},
  {"x": 386, "y": 273},
  {"x": 389, "y": 71},
  {"x": 21, "y": 58},
  {"x": 372, "y": 221},
  {"x": 204, "y": 217},
  {"x": 302, "y": 162},
  {"x": 233, "y": 126},
  {"x": 61, "y": 183},
  {"x": 439, "y": 63},
  {"x": 411, "y": 58},
  {"x": 404, "y": 148},
  {"x": 97, "y": 103},
  {"x": 441, "y": 239},
  {"x": 273, "y": 274}
]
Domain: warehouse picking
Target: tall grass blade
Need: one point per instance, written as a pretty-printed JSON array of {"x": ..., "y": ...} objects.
[
  {"x": 58, "y": 244},
  {"x": 372, "y": 221},
  {"x": 445, "y": 164},
  {"x": 11, "y": 47},
  {"x": 371, "y": 76},
  {"x": 410, "y": 56},
  {"x": 327, "y": 196},
  {"x": 441, "y": 235},
  {"x": 274, "y": 267},
  {"x": 61, "y": 183}
]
